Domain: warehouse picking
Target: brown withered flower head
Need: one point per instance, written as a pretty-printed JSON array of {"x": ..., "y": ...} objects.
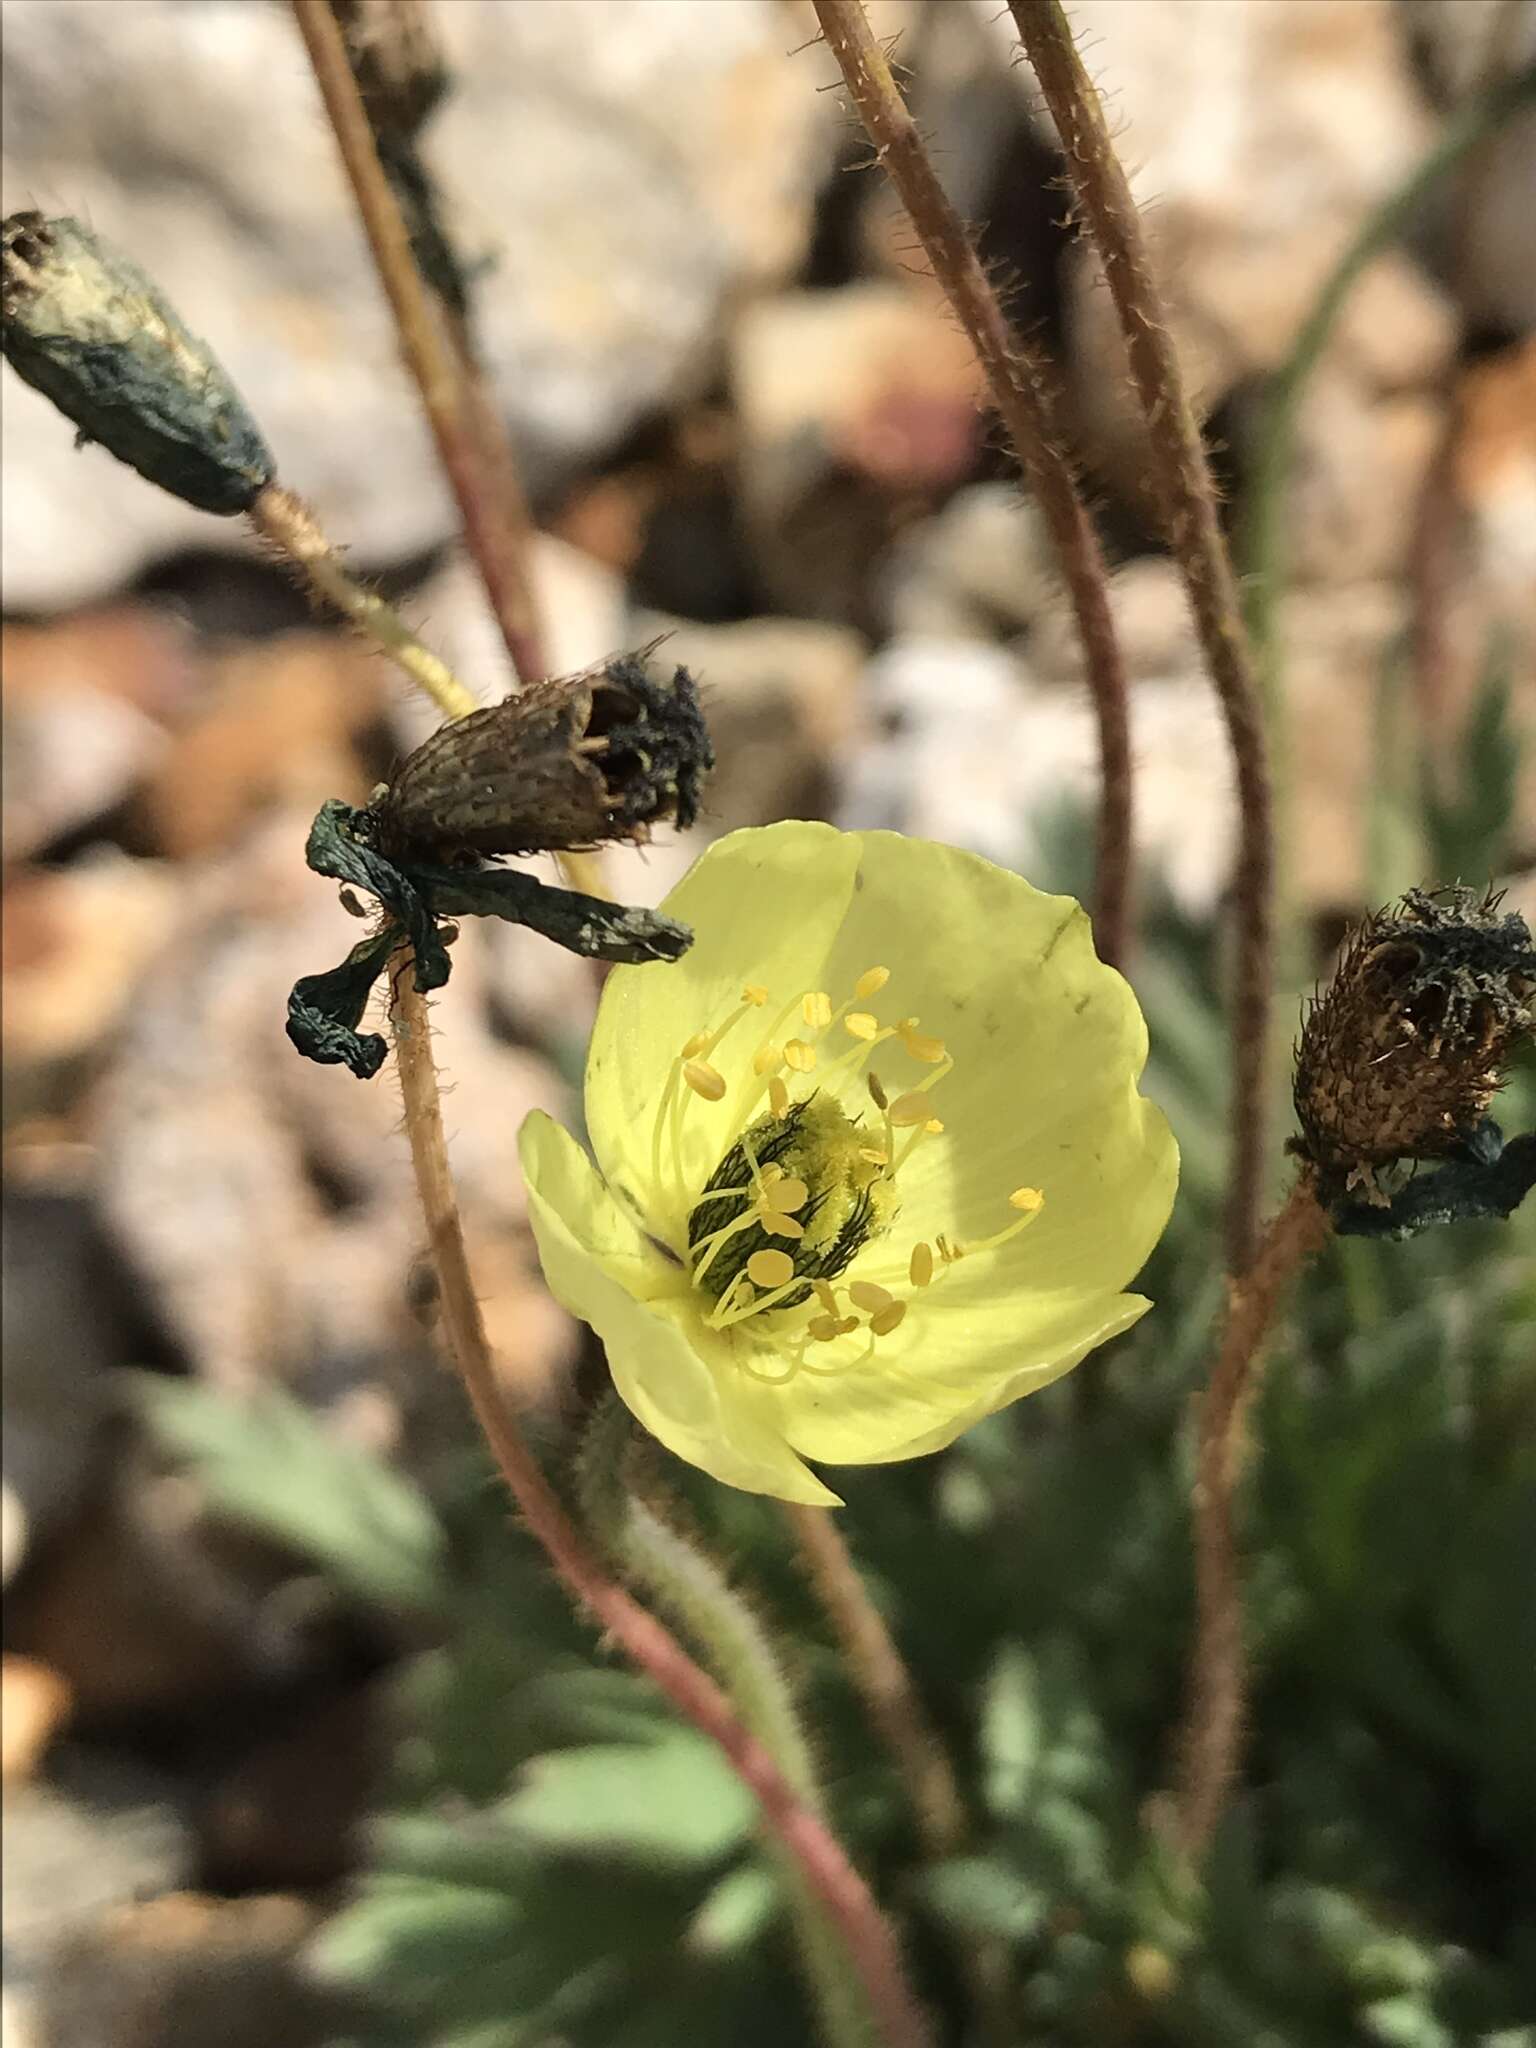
[
  {"x": 1402, "y": 1053},
  {"x": 563, "y": 764}
]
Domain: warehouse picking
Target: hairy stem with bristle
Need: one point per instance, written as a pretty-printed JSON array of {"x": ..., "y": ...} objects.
[{"x": 1023, "y": 388}]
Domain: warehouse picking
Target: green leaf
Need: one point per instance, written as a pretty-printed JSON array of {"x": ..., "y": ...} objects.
[
  {"x": 674, "y": 1802},
  {"x": 1011, "y": 1731},
  {"x": 270, "y": 1462},
  {"x": 980, "y": 1896}
]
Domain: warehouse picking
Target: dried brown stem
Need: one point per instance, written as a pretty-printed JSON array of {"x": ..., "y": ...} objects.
[
  {"x": 819, "y": 1857},
  {"x": 1186, "y": 499},
  {"x": 1023, "y": 388},
  {"x": 1211, "y": 1741},
  {"x": 883, "y": 1680},
  {"x": 289, "y": 525},
  {"x": 471, "y": 441}
]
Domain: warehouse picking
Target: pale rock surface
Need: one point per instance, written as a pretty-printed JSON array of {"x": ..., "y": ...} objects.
[{"x": 624, "y": 167}]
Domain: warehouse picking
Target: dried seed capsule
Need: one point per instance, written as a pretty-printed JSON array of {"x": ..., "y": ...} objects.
[
  {"x": 563, "y": 764},
  {"x": 87, "y": 328},
  {"x": 1401, "y": 1055}
]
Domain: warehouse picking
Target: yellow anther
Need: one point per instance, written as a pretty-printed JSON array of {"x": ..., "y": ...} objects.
[
  {"x": 778, "y": 1097},
  {"x": 911, "y": 1109},
  {"x": 822, "y": 1329},
  {"x": 920, "y": 1270},
  {"x": 785, "y": 1193},
  {"x": 870, "y": 982},
  {"x": 771, "y": 1269},
  {"x": 860, "y": 1024},
  {"x": 934, "y": 1126},
  {"x": 885, "y": 1320},
  {"x": 755, "y": 994},
  {"x": 816, "y": 1009},
  {"x": 704, "y": 1080},
  {"x": 767, "y": 1058},
  {"x": 780, "y": 1226},
  {"x": 1027, "y": 1199},
  {"x": 872, "y": 1299},
  {"x": 873, "y": 1156},
  {"x": 800, "y": 1056},
  {"x": 827, "y": 1296},
  {"x": 877, "y": 1094},
  {"x": 697, "y": 1044},
  {"x": 921, "y": 1047}
]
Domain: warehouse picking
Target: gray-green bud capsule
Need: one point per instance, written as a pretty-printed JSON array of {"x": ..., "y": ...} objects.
[{"x": 85, "y": 326}]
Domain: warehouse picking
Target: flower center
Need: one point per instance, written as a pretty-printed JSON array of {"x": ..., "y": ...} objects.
[{"x": 805, "y": 1186}]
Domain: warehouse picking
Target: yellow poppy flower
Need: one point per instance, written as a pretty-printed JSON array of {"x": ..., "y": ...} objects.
[{"x": 871, "y": 1160}]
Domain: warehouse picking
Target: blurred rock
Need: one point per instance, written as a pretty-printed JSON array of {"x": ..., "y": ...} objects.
[
  {"x": 857, "y": 407},
  {"x": 782, "y": 700},
  {"x": 1251, "y": 192},
  {"x": 62, "y": 1333},
  {"x": 75, "y": 947},
  {"x": 1487, "y": 225},
  {"x": 1155, "y": 632},
  {"x": 975, "y": 751},
  {"x": 274, "y": 724},
  {"x": 188, "y": 1971},
  {"x": 981, "y": 568},
  {"x": 286, "y": 1814},
  {"x": 1359, "y": 473},
  {"x": 67, "y": 760},
  {"x": 624, "y": 167},
  {"x": 266, "y": 1204},
  {"x": 34, "y": 1705},
  {"x": 98, "y": 1831}
]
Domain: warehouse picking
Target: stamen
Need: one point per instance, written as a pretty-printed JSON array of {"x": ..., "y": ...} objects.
[
  {"x": 860, "y": 1024},
  {"x": 877, "y": 1093},
  {"x": 826, "y": 1294},
  {"x": 816, "y": 1009},
  {"x": 884, "y": 1320},
  {"x": 770, "y": 1269},
  {"x": 865, "y": 1294},
  {"x": 704, "y": 1079},
  {"x": 870, "y": 982},
  {"x": 767, "y": 1058},
  {"x": 779, "y": 1226},
  {"x": 800, "y": 1056},
  {"x": 920, "y": 1271},
  {"x": 908, "y": 1110},
  {"x": 755, "y": 994},
  {"x": 918, "y": 1044},
  {"x": 695, "y": 1045},
  {"x": 785, "y": 1192},
  {"x": 778, "y": 1097}
]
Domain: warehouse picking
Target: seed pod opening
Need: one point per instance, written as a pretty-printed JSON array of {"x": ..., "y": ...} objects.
[
  {"x": 1402, "y": 1053},
  {"x": 564, "y": 764},
  {"x": 85, "y": 326}
]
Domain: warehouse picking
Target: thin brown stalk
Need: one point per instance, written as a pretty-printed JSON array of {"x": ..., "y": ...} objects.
[
  {"x": 883, "y": 1680},
  {"x": 1211, "y": 1742},
  {"x": 1187, "y": 500},
  {"x": 471, "y": 442},
  {"x": 289, "y": 526},
  {"x": 829, "y": 1876},
  {"x": 1023, "y": 389}
]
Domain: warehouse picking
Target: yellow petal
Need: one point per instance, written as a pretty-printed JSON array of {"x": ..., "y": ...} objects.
[
  {"x": 942, "y": 1369},
  {"x": 703, "y": 1409},
  {"x": 764, "y": 903}
]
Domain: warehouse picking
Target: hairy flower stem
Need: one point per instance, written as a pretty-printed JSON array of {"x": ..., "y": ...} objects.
[
  {"x": 868, "y": 1945},
  {"x": 288, "y": 524},
  {"x": 1185, "y": 494},
  {"x": 491, "y": 508},
  {"x": 1211, "y": 1741},
  {"x": 1023, "y": 389},
  {"x": 641, "y": 1530},
  {"x": 883, "y": 1680}
]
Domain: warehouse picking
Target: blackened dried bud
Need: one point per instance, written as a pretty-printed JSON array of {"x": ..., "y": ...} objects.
[
  {"x": 85, "y": 326},
  {"x": 564, "y": 764},
  {"x": 1402, "y": 1054}
]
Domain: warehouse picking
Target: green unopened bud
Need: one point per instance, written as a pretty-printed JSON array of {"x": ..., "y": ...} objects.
[{"x": 85, "y": 326}]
